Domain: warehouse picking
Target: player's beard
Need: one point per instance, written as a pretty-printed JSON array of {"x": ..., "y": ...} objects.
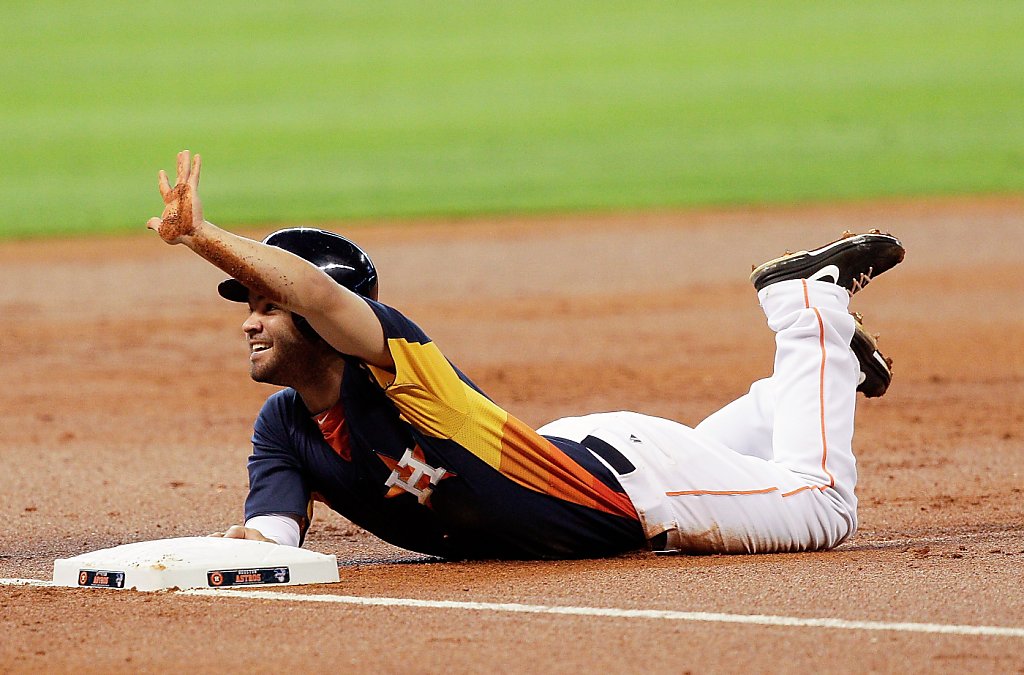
[{"x": 288, "y": 363}]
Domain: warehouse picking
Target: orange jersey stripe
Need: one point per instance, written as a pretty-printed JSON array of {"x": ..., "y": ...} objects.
[{"x": 534, "y": 462}]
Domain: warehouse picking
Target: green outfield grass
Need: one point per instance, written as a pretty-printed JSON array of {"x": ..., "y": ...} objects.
[{"x": 315, "y": 111}]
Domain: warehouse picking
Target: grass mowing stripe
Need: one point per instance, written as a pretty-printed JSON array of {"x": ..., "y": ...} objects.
[{"x": 324, "y": 110}]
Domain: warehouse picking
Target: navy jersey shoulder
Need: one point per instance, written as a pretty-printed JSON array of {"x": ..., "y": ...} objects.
[{"x": 398, "y": 326}]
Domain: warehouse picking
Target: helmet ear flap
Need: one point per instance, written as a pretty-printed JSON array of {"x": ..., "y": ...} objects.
[{"x": 303, "y": 327}]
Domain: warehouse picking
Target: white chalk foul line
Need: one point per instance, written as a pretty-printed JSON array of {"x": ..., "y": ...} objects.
[{"x": 655, "y": 614}]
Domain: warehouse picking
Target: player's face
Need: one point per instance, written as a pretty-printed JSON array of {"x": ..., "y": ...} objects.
[{"x": 278, "y": 352}]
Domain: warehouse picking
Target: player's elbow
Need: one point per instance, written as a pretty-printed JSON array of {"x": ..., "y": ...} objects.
[{"x": 318, "y": 294}]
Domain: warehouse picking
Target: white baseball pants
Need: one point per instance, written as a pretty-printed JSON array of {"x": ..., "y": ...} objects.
[{"x": 772, "y": 471}]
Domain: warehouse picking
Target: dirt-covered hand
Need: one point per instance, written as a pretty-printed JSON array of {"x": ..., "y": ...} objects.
[{"x": 183, "y": 211}]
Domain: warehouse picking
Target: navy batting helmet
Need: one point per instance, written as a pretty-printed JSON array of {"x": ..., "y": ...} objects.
[{"x": 341, "y": 259}]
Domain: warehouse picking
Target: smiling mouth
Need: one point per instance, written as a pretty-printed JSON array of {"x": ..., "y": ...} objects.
[{"x": 257, "y": 348}]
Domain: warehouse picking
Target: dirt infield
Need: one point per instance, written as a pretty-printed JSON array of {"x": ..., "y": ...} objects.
[{"x": 126, "y": 414}]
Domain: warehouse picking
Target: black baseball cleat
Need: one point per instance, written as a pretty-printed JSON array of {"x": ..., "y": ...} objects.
[
  {"x": 851, "y": 262},
  {"x": 875, "y": 367}
]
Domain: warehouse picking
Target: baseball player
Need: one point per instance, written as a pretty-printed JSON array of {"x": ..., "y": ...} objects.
[{"x": 376, "y": 423}]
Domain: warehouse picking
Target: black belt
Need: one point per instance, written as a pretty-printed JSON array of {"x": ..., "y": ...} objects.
[
  {"x": 608, "y": 453},
  {"x": 621, "y": 466}
]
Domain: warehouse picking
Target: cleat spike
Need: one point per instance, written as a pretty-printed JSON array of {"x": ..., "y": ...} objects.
[{"x": 875, "y": 367}]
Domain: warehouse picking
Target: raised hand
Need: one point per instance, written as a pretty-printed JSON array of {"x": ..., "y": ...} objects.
[{"x": 183, "y": 211}]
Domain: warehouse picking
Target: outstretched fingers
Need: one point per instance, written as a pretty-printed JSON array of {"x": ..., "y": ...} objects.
[
  {"x": 193, "y": 179},
  {"x": 165, "y": 187},
  {"x": 183, "y": 167},
  {"x": 187, "y": 174},
  {"x": 182, "y": 209},
  {"x": 242, "y": 532}
]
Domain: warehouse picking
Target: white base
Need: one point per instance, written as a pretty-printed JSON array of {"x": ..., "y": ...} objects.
[{"x": 195, "y": 562}]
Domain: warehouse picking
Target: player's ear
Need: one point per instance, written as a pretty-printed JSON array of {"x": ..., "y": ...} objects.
[{"x": 305, "y": 329}]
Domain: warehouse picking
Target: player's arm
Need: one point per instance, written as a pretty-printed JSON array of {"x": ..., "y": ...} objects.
[{"x": 338, "y": 315}]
